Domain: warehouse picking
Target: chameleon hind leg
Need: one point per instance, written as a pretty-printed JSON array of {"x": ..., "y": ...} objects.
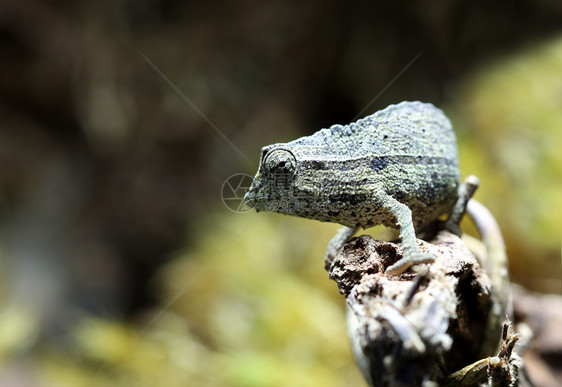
[{"x": 466, "y": 190}]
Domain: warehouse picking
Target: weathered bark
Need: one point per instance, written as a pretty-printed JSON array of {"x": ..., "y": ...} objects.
[{"x": 420, "y": 327}]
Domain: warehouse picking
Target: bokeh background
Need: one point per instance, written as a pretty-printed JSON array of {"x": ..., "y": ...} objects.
[{"x": 121, "y": 120}]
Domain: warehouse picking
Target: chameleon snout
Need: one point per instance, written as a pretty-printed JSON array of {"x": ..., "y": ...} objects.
[{"x": 251, "y": 198}]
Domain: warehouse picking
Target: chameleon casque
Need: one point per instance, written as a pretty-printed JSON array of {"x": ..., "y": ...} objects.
[{"x": 397, "y": 167}]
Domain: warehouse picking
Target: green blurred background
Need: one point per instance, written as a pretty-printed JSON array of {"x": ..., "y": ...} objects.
[{"x": 120, "y": 121}]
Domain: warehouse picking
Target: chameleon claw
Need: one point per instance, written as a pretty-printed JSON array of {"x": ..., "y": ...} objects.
[{"x": 406, "y": 262}]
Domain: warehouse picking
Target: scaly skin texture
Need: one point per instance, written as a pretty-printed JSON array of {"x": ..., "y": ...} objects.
[{"x": 397, "y": 167}]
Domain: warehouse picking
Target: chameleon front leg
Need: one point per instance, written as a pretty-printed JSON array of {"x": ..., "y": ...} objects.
[
  {"x": 336, "y": 243},
  {"x": 407, "y": 233},
  {"x": 412, "y": 256}
]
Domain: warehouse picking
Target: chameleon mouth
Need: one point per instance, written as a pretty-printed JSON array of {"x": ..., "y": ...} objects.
[
  {"x": 255, "y": 198},
  {"x": 248, "y": 202},
  {"x": 251, "y": 198},
  {"x": 252, "y": 201}
]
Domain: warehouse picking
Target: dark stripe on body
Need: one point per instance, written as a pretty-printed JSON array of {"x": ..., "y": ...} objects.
[{"x": 377, "y": 163}]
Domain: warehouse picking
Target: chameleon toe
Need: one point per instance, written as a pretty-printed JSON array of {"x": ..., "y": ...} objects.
[{"x": 406, "y": 262}]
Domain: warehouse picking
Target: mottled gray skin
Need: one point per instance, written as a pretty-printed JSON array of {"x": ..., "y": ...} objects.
[{"x": 397, "y": 167}]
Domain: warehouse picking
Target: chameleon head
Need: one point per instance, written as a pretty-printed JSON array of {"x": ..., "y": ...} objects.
[
  {"x": 273, "y": 186},
  {"x": 289, "y": 182}
]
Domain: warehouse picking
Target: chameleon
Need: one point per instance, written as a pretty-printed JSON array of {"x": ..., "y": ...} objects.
[{"x": 397, "y": 167}]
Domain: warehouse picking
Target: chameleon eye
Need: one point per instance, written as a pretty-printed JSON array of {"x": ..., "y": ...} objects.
[{"x": 280, "y": 162}]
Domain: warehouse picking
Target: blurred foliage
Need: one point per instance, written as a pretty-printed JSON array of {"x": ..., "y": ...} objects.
[
  {"x": 103, "y": 166},
  {"x": 247, "y": 302},
  {"x": 18, "y": 331},
  {"x": 252, "y": 311},
  {"x": 509, "y": 116}
]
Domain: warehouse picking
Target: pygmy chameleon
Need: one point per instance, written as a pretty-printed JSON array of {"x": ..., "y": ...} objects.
[{"x": 397, "y": 167}]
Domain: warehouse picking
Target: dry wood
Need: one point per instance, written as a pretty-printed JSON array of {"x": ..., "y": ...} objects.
[{"x": 420, "y": 327}]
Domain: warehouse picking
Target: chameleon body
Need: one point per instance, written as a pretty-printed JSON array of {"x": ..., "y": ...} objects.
[{"x": 397, "y": 167}]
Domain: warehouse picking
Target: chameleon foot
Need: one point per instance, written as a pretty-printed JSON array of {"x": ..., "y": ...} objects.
[
  {"x": 408, "y": 261},
  {"x": 344, "y": 234}
]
